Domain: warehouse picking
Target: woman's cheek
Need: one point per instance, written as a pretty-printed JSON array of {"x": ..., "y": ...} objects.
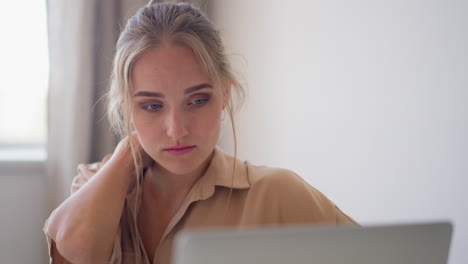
[{"x": 215, "y": 122}]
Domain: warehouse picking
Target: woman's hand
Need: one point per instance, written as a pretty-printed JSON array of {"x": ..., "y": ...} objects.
[{"x": 123, "y": 154}]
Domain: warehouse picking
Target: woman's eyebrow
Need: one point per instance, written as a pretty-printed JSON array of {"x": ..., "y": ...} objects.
[
  {"x": 197, "y": 87},
  {"x": 149, "y": 94},
  {"x": 187, "y": 91}
]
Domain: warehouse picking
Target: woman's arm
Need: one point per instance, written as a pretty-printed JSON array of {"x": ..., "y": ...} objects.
[{"x": 83, "y": 226}]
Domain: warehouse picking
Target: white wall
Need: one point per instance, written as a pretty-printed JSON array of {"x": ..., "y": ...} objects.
[
  {"x": 367, "y": 100},
  {"x": 22, "y": 203}
]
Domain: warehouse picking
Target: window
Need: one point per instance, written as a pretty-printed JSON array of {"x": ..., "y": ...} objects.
[{"x": 24, "y": 71}]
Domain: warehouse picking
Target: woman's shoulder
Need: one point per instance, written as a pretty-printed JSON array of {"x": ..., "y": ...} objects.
[
  {"x": 297, "y": 200},
  {"x": 276, "y": 179},
  {"x": 284, "y": 183}
]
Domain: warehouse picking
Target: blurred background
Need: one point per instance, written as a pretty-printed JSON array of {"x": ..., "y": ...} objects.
[{"x": 366, "y": 100}]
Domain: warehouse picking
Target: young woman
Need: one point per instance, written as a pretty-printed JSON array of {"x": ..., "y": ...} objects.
[{"x": 171, "y": 83}]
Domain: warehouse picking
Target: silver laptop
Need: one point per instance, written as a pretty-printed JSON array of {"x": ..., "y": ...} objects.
[{"x": 397, "y": 244}]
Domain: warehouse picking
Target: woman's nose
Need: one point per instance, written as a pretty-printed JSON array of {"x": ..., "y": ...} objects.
[{"x": 176, "y": 127}]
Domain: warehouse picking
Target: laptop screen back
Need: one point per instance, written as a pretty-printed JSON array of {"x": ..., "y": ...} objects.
[{"x": 401, "y": 244}]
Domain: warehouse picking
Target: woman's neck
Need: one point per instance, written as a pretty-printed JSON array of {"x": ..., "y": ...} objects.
[{"x": 161, "y": 184}]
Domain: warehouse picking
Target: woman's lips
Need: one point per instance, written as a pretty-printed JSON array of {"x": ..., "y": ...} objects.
[{"x": 179, "y": 150}]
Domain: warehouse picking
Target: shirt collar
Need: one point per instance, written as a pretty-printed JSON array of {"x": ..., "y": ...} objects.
[
  {"x": 219, "y": 173},
  {"x": 222, "y": 168}
]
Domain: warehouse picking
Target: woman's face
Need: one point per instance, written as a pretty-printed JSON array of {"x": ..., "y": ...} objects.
[{"x": 176, "y": 111}]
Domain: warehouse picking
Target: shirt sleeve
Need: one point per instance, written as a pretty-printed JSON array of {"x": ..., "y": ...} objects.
[{"x": 84, "y": 174}]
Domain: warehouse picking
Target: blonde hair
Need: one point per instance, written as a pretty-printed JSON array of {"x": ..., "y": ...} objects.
[{"x": 180, "y": 24}]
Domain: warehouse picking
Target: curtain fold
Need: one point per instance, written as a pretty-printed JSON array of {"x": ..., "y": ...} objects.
[{"x": 82, "y": 37}]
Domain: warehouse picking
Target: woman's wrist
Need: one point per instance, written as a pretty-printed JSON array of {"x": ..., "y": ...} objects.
[{"x": 123, "y": 163}]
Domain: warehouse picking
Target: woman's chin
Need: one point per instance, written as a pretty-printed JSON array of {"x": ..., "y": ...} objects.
[{"x": 186, "y": 165}]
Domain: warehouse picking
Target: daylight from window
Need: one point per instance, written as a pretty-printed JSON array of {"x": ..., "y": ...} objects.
[{"x": 24, "y": 74}]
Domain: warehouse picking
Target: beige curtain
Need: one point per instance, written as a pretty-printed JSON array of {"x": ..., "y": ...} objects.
[{"x": 82, "y": 37}]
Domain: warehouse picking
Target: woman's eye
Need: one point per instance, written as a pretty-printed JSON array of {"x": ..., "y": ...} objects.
[
  {"x": 199, "y": 101},
  {"x": 151, "y": 107}
]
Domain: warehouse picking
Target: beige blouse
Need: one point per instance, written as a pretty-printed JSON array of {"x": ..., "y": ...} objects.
[{"x": 260, "y": 196}]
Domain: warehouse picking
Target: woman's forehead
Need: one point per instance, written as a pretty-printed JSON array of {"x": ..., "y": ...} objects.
[{"x": 168, "y": 67}]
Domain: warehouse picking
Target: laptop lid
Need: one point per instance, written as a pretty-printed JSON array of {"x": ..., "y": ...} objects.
[{"x": 426, "y": 243}]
